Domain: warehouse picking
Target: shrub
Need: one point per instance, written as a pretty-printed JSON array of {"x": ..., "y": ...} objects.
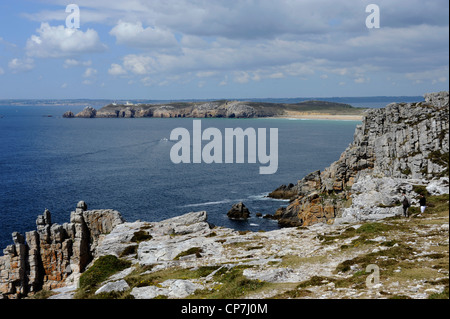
[
  {"x": 140, "y": 236},
  {"x": 102, "y": 268}
]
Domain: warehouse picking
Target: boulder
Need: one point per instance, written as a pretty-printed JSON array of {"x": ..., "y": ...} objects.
[
  {"x": 238, "y": 212},
  {"x": 68, "y": 115},
  {"x": 438, "y": 187}
]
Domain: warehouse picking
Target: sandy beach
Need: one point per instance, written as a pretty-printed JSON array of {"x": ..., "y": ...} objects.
[{"x": 321, "y": 116}]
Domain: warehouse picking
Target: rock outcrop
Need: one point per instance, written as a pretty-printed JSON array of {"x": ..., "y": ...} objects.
[
  {"x": 88, "y": 112},
  {"x": 186, "y": 257},
  {"x": 216, "y": 109},
  {"x": 238, "y": 212},
  {"x": 52, "y": 255},
  {"x": 176, "y": 110},
  {"x": 396, "y": 147},
  {"x": 68, "y": 115}
]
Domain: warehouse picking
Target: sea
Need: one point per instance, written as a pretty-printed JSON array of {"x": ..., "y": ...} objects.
[{"x": 49, "y": 162}]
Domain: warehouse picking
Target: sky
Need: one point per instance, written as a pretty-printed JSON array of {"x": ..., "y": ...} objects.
[{"x": 214, "y": 49}]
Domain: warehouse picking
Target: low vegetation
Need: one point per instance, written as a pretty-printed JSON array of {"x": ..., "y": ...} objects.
[{"x": 408, "y": 251}]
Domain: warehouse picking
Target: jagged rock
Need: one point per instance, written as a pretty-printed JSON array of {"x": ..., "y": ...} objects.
[
  {"x": 439, "y": 99},
  {"x": 439, "y": 187},
  {"x": 239, "y": 110},
  {"x": 53, "y": 254},
  {"x": 88, "y": 112},
  {"x": 82, "y": 205},
  {"x": 238, "y": 212},
  {"x": 408, "y": 141},
  {"x": 284, "y": 192},
  {"x": 219, "y": 109},
  {"x": 68, "y": 115}
]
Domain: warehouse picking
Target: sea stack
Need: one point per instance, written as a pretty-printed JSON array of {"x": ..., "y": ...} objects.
[{"x": 238, "y": 212}]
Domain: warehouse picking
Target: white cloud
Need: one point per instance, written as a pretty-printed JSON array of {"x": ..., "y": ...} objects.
[
  {"x": 361, "y": 80},
  {"x": 206, "y": 74},
  {"x": 58, "y": 41},
  {"x": 255, "y": 40},
  {"x": 21, "y": 65},
  {"x": 241, "y": 77},
  {"x": 135, "y": 35},
  {"x": 139, "y": 64},
  {"x": 117, "y": 69},
  {"x": 439, "y": 75},
  {"x": 2, "y": 71},
  {"x": 224, "y": 82},
  {"x": 68, "y": 63},
  {"x": 90, "y": 72}
]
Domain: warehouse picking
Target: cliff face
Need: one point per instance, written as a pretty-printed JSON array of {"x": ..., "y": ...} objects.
[
  {"x": 227, "y": 109},
  {"x": 220, "y": 109},
  {"x": 394, "y": 148},
  {"x": 53, "y": 254}
]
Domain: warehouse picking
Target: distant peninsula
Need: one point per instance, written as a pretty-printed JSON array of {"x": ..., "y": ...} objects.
[{"x": 224, "y": 109}]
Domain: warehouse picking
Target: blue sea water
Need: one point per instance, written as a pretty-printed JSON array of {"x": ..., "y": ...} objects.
[{"x": 50, "y": 162}]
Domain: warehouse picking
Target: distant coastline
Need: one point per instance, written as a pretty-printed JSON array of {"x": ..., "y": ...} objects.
[
  {"x": 224, "y": 109},
  {"x": 322, "y": 116},
  {"x": 369, "y": 101}
]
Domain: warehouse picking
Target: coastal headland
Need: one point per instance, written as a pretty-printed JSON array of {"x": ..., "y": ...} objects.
[
  {"x": 225, "y": 109},
  {"x": 344, "y": 234}
]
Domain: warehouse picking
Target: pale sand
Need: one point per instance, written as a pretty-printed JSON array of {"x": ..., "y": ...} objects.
[{"x": 319, "y": 116}]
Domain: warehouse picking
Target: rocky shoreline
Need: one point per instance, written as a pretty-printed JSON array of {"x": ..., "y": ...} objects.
[
  {"x": 186, "y": 257},
  {"x": 219, "y": 109},
  {"x": 338, "y": 222},
  {"x": 395, "y": 148}
]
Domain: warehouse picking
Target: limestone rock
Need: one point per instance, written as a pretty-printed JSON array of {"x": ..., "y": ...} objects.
[
  {"x": 116, "y": 286},
  {"x": 218, "y": 109},
  {"x": 403, "y": 141},
  {"x": 171, "y": 288},
  {"x": 438, "y": 187},
  {"x": 53, "y": 254}
]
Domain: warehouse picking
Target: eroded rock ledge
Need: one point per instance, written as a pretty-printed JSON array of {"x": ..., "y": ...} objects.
[
  {"x": 185, "y": 256},
  {"x": 53, "y": 255}
]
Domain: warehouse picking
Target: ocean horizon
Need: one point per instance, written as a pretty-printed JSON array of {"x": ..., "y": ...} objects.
[{"x": 48, "y": 162}]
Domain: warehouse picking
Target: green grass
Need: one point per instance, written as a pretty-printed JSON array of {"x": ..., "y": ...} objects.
[
  {"x": 442, "y": 295},
  {"x": 140, "y": 236},
  {"x": 192, "y": 251},
  {"x": 233, "y": 284},
  {"x": 394, "y": 256},
  {"x": 102, "y": 269}
]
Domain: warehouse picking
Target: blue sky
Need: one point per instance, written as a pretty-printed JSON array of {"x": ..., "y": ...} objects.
[{"x": 212, "y": 49}]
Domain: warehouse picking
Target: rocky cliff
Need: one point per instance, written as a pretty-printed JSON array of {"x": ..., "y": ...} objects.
[
  {"x": 53, "y": 255},
  {"x": 395, "y": 148},
  {"x": 219, "y": 109},
  {"x": 186, "y": 257}
]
